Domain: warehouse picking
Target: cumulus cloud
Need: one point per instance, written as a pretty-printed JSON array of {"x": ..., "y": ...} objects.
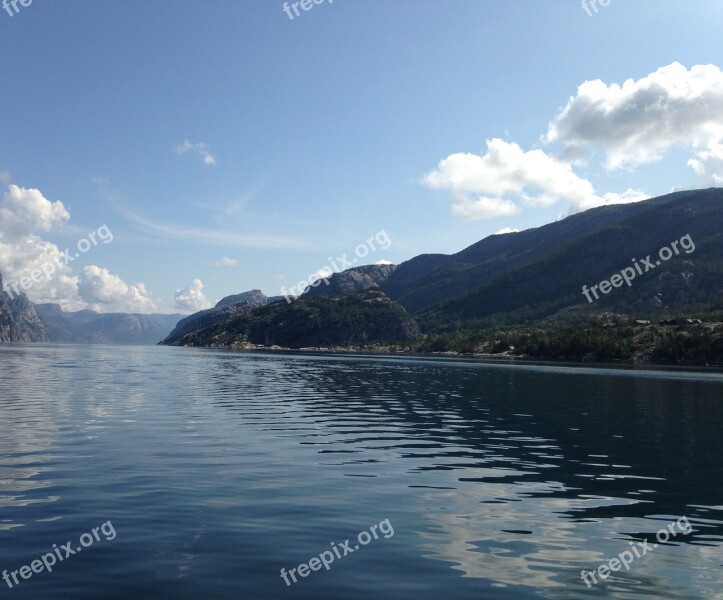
[
  {"x": 494, "y": 184},
  {"x": 631, "y": 124},
  {"x": 199, "y": 148},
  {"x": 636, "y": 122},
  {"x": 24, "y": 215},
  {"x": 192, "y": 298},
  {"x": 26, "y": 211},
  {"x": 709, "y": 164},
  {"x": 106, "y": 292},
  {"x": 506, "y": 230},
  {"x": 226, "y": 263},
  {"x": 384, "y": 262}
]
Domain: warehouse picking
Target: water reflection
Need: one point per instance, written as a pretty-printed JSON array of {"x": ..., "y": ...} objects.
[
  {"x": 523, "y": 477},
  {"x": 501, "y": 481}
]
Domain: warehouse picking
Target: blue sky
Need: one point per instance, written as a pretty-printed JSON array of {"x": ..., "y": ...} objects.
[{"x": 202, "y": 130}]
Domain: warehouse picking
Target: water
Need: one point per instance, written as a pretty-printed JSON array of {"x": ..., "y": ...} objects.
[{"x": 216, "y": 470}]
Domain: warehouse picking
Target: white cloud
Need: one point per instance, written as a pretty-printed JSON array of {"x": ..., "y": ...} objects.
[
  {"x": 637, "y": 122},
  {"x": 709, "y": 164},
  {"x": 632, "y": 123},
  {"x": 23, "y": 213},
  {"x": 487, "y": 186},
  {"x": 384, "y": 262},
  {"x": 192, "y": 298},
  {"x": 504, "y": 169},
  {"x": 226, "y": 263},
  {"x": 199, "y": 148},
  {"x": 506, "y": 230},
  {"x": 483, "y": 208},
  {"x": 106, "y": 292}
]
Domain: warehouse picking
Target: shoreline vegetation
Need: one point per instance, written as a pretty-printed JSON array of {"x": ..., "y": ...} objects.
[{"x": 689, "y": 342}]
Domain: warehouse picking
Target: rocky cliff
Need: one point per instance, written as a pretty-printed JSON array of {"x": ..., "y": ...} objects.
[
  {"x": 18, "y": 320},
  {"x": 356, "y": 279}
]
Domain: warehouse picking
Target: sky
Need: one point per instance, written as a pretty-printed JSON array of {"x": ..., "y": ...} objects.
[{"x": 183, "y": 151}]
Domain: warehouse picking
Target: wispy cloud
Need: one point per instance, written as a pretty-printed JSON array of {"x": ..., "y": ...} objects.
[
  {"x": 226, "y": 263},
  {"x": 220, "y": 237},
  {"x": 199, "y": 148}
]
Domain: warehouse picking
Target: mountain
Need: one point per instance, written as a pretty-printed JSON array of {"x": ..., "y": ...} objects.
[
  {"x": 18, "y": 320},
  {"x": 61, "y": 326},
  {"x": 129, "y": 328},
  {"x": 530, "y": 291},
  {"x": 252, "y": 297},
  {"x": 525, "y": 290},
  {"x": 226, "y": 308},
  {"x": 356, "y": 279},
  {"x": 360, "y": 318},
  {"x": 206, "y": 318},
  {"x": 90, "y": 327},
  {"x": 27, "y": 319},
  {"x": 431, "y": 279}
]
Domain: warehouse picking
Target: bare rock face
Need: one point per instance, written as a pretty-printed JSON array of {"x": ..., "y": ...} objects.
[
  {"x": 18, "y": 320},
  {"x": 252, "y": 297},
  {"x": 7, "y": 321},
  {"x": 357, "y": 279}
]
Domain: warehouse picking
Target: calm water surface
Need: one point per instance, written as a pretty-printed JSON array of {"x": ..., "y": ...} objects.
[{"x": 218, "y": 469}]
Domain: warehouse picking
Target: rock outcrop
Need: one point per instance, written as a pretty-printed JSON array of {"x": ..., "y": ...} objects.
[
  {"x": 18, "y": 320},
  {"x": 356, "y": 279},
  {"x": 363, "y": 318}
]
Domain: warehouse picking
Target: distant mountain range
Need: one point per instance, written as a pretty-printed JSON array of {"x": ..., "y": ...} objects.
[
  {"x": 89, "y": 327},
  {"x": 23, "y": 321},
  {"x": 526, "y": 279},
  {"x": 516, "y": 292}
]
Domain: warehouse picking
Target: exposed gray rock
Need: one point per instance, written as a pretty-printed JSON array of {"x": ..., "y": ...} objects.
[
  {"x": 18, "y": 320},
  {"x": 357, "y": 279},
  {"x": 253, "y": 297}
]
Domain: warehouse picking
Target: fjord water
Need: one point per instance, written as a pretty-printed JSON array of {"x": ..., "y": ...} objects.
[{"x": 218, "y": 469}]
